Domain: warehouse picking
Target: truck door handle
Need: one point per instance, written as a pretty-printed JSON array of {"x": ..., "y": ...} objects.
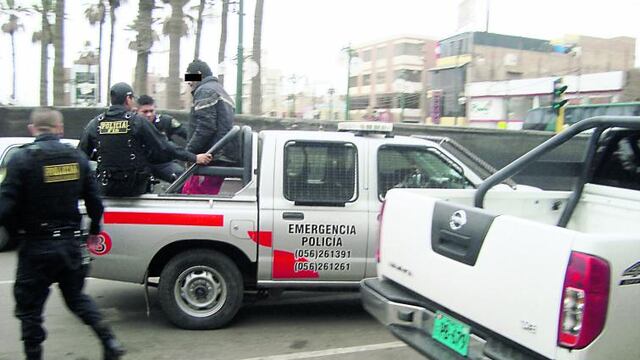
[{"x": 293, "y": 216}]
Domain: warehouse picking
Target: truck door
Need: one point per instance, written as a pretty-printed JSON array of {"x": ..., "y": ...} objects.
[{"x": 320, "y": 222}]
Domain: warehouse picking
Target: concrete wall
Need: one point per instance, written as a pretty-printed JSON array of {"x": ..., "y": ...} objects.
[{"x": 497, "y": 147}]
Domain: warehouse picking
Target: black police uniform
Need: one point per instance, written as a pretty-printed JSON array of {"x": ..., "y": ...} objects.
[
  {"x": 171, "y": 127},
  {"x": 175, "y": 132},
  {"x": 124, "y": 145},
  {"x": 39, "y": 205}
]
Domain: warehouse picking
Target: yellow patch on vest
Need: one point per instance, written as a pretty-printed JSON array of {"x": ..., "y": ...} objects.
[
  {"x": 60, "y": 173},
  {"x": 114, "y": 127}
]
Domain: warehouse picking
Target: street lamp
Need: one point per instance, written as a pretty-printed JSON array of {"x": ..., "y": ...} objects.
[
  {"x": 240, "y": 59},
  {"x": 401, "y": 85},
  {"x": 293, "y": 79},
  {"x": 351, "y": 53},
  {"x": 331, "y": 91}
]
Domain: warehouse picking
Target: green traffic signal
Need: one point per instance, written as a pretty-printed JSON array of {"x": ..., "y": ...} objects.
[
  {"x": 557, "y": 91},
  {"x": 557, "y": 105}
]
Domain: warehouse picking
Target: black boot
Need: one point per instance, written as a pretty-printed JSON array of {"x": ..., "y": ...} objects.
[
  {"x": 113, "y": 350},
  {"x": 33, "y": 352}
]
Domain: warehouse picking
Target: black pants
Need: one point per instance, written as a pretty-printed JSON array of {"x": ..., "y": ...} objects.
[
  {"x": 168, "y": 171},
  {"x": 40, "y": 264}
]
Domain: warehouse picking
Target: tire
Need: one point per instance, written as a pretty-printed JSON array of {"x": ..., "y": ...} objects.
[
  {"x": 200, "y": 289},
  {"x": 6, "y": 242}
]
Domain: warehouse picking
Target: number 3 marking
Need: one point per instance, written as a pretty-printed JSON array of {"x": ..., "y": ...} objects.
[{"x": 101, "y": 246}]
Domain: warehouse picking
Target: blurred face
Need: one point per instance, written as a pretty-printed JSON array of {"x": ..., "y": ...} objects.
[
  {"x": 193, "y": 80},
  {"x": 148, "y": 111},
  {"x": 193, "y": 84}
]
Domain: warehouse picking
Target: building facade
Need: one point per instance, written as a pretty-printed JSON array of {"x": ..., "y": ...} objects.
[
  {"x": 480, "y": 57},
  {"x": 392, "y": 78},
  {"x": 504, "y": 104}
]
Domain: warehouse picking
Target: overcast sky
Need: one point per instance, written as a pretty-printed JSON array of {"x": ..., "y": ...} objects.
[{"x": 305, "y": 37}]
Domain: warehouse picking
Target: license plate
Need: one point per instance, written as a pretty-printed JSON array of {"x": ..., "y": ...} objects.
[{"x": 452, "y": 333}]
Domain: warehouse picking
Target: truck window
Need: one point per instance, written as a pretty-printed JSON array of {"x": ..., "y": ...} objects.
[
  {"x": 416, "y": 167},
  {"x": 620, "y": 165},
  {"x": 320, "y": 172}
]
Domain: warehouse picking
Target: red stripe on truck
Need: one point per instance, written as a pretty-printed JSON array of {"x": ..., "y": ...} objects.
[
  {"x": 262, "y": 238},
  {"x": 144, "y": 218}
]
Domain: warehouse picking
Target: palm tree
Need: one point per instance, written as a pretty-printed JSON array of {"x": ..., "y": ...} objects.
[
  {"x": 113, "y": 5},
  {"x": 196, "y": 54},
  {"x": 58, "y": 65},
  {"x": 223, "y": 37},
  {"x": 143, "y": 43},
  {"x": 176, "y": 28},
  {"x": 11, "y": 27},
  {"x": 200, "y": 7},
  {"x": 96, "y": 14},
  {"x": 256, "y": 84},
  {"x": 44, "y": 36}
]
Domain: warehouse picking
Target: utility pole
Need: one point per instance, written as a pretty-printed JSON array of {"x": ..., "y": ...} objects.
[
  {"x": 350, "y": 53},
  {"x": 486, "y": 28},
  {"x": 240, "y": 60}
]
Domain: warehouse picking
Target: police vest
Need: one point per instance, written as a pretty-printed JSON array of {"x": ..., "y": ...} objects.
[
  {"x": 55, "y": 185},
  {"x": 117, "y": 149}
]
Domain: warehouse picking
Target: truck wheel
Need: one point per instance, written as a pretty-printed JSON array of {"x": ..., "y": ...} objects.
[{"x": 200, "y": 289}]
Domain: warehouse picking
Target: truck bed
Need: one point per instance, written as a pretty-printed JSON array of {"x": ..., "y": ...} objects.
[{"x": 508, "y": 279}]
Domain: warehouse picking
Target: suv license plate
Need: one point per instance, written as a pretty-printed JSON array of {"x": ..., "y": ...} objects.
[{"x": 452, "y": 333}]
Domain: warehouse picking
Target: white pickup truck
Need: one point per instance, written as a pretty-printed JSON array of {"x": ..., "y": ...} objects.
[
  {"x": 519, "y": 275},
  {"x": 300, "y": 212}
]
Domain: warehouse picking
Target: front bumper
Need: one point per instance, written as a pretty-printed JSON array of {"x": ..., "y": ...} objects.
[{"x": 410, "y": 318}]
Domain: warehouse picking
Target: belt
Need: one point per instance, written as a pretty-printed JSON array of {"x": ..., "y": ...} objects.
[{"x": 51, "y": 235}]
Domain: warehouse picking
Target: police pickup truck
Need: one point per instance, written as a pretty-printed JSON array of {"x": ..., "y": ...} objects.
[
  {"x": 471, "y": 274},
  {"x": 300, "y": 212}
]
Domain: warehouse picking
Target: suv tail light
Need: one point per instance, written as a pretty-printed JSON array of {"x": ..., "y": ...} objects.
[
  {"x": 584, "y": 302},
  {"x": 380, "y": 231}
]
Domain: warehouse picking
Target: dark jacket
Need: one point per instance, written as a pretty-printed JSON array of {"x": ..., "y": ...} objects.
[
  {"x": 171, "y": 127},
  {"x": 35, "y": 200},
  {"x": 212, "y": 117},
  {"x": 157, "y": 148}
]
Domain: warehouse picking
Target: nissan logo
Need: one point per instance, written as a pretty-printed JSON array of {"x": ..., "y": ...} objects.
[{"x": 458, "y": 219}]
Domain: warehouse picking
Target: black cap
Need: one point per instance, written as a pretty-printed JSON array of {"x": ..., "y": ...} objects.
[
  {"x": 119, "y": 93},
  {"x": 199, "y": 67}
]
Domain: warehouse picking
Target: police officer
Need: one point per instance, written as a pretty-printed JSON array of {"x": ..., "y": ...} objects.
[
  {"x": 212, "y": 117},
  {"x": 125, "y": 144},
  {"x": 39, "y": 205},
  {"x": 170, "y": 127},
  {"x": 165, "y": 123}
]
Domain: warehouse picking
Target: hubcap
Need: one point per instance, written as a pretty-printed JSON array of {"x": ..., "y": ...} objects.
[{"x": 200, "y": 291}]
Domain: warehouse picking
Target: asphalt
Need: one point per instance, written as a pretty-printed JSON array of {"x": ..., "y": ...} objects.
[{"x": 297, "y": 325}]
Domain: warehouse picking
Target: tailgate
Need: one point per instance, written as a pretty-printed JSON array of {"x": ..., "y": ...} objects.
[{"x": 500, "y": 272}]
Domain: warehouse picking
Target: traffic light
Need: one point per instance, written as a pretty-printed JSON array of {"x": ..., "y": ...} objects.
[{"x": 557, "y": 101}]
